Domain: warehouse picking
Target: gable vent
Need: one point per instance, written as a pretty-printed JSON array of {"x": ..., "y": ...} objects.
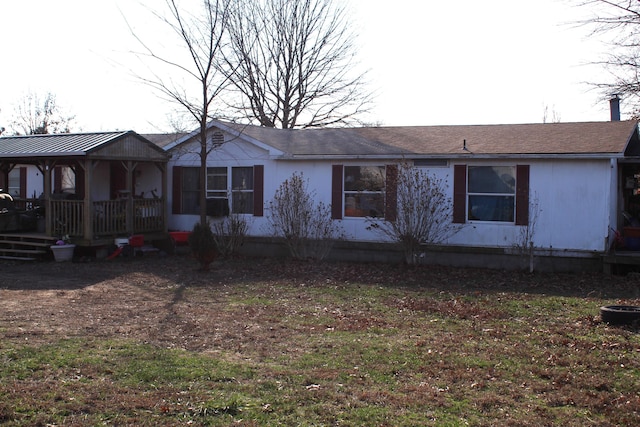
[{"x": 217, "y": 138}]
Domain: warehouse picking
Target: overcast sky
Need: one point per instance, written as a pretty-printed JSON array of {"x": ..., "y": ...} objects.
[{"x": 431, "y": 62}]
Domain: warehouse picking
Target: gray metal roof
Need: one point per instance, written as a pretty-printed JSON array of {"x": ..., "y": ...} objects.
[
  {"x": 55, "y": 145},
  {"x": 99, "y": 145}
]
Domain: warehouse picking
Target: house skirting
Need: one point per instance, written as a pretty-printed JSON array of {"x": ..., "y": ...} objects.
[{"x": 454, "y": 256}]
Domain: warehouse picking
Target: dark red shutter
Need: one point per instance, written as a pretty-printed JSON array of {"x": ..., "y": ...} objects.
[
  {"x": 258, "y": 190},
  {"x": 460, "y": 194},
  {"x": 391, "y": 196},
  {"x": 522, "y": 194},
  {"x": 23, "y": 182},
  {"x": 176, "y": 202},
  {"x": 336, "y": 192}
]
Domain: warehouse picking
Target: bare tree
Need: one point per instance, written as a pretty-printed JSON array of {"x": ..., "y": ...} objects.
[
  {"x": 194, "y": 83},
  {"x": 618, "y": 21},
  {"x": 35, "y": 115},
  {"x": 555, "y": 116},
  {"x": 294, "y": 64},
  {"x": 423, "y": 212}
]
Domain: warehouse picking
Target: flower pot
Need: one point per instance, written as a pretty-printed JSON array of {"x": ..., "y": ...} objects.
[{"x": 63, "y": 252}]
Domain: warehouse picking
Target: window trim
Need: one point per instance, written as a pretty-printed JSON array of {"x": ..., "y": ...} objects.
[
  {"x": 240, "y": 191},
  {"x": 367, "y": 192},
  {"x": 460, "y": 196},
  {"x": 389, "y": 192},
  {"x": 258, "y": 188},
  {"x": 511, "y": 195}
]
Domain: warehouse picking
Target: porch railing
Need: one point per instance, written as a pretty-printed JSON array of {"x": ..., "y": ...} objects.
[
  {"x": 148, "y": 215},
  {"x": 67, "y": 217},
  {"x": 109, "y": 217}
]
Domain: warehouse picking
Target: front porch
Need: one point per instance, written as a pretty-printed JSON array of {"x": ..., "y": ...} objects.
[{"x": 93, "y": 187}]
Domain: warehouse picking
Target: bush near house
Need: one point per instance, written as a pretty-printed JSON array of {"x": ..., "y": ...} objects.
[
  {"x": 203, "y": 244},
  {"x": 305, "y": 225}
]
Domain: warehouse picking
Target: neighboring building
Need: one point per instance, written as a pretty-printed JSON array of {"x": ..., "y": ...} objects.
[{"x": 583, "y": 177}]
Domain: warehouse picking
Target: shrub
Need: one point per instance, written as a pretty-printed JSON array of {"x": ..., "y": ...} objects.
[
  {"x": 229, "y": 234},
  {"x": 203, "y": 244},
  {"x": 423, "y": 212},
  {"x": 307, "y": 227}
]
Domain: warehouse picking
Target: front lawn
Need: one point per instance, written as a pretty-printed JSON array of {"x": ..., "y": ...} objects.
[{"x": 153, "y": 341}]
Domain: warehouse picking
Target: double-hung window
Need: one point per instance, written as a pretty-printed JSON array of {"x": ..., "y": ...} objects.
[
  {"x": 217, "y": 183},
  {"x": 242, "y": 189},
  {"x": 492, "y": 193},
  {"x": 190, "y": 187},
  {"x": 364, "y": 191},
  {"x": 234, "y": 183},
  {"x": 13, "y": 187}
]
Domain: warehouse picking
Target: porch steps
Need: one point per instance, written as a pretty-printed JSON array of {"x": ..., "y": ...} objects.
[{"x": 25, "y": 247}]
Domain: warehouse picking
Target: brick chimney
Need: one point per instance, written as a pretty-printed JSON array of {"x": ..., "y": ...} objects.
[{"x": 614, "y": 105}]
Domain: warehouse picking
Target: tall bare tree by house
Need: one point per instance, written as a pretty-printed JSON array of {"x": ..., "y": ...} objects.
[
  {"x": 293, "y": 64},
  {"x": 618, "y": 23},
  {"x": 193, "y": 80},
  {"x": 35, "y": 115}
]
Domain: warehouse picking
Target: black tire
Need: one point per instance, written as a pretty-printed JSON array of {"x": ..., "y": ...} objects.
[{"x": 620, "y": 314}]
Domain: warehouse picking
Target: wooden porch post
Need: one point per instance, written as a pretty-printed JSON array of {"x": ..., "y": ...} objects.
[
  {"x": 165, "y": 188},
  {"x": 130, "y": 166},
  {"x": 46, "y": 173},
  {"x": 87, "y": 213},
  {"x": 4, "y": 176}
]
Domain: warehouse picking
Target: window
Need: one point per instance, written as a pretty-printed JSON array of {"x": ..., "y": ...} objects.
[
  {"x": 190, "y": 190},
  {"x": 242, "y": 190},
  {"x": 13, "y": 186},
  {"x": 491, "y": 192},
  {"x": 364, "y": 191},
  {"x": 244, "y": 198},
  {"x": 217, "y": 183}
]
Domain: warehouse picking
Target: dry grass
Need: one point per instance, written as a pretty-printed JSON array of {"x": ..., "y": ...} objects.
[{"x": 153, "y": 341}]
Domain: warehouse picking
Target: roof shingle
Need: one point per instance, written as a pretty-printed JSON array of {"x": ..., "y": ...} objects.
[{"x": 586, "y": 138}]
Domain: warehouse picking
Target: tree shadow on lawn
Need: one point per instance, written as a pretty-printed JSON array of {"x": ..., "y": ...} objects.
[{"x": 184, "y": 271}]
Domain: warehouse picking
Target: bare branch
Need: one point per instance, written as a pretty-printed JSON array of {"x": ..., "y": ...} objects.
[
  {"x": 294, "y": 64},
  {"x": 619, "y": 20},
  {"x": 34, "y": 115},
  {"x": 194, "y": 84}
]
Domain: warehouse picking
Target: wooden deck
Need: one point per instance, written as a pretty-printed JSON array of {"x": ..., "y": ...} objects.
[{"x": 25, "y": 246}]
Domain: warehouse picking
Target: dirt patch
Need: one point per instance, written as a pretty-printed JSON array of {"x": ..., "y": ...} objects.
[
  {"x": 168, "y": 301},
  {"x": 294, "y": 336}
]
